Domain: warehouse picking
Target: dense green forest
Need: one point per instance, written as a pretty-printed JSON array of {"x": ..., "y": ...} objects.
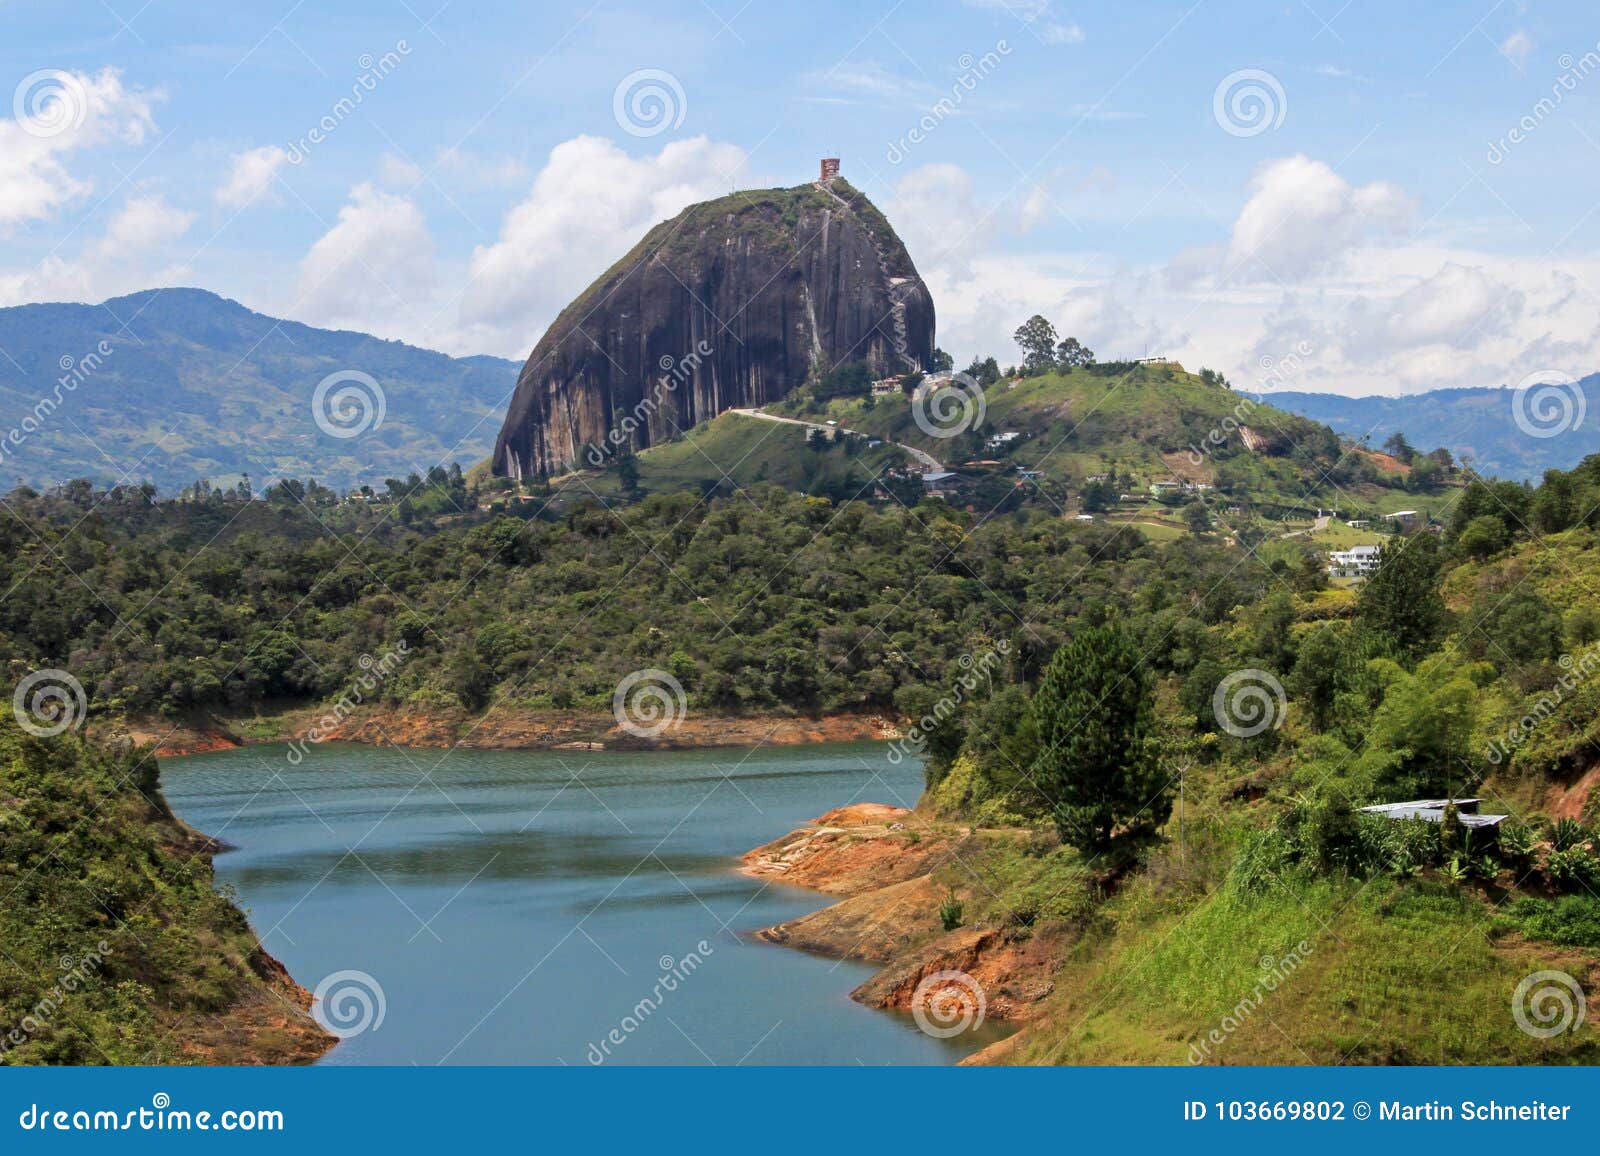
[
  {"x": 117, "y": 949},
  {"x": 764, "y": 600}
]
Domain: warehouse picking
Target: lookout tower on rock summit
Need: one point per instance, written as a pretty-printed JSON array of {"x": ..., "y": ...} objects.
[{"x": 830, "y": 168}]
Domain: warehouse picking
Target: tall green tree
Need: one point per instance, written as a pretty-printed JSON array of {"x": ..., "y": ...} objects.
[
  {"x": 1420, "y": 741},
  {"x": 628, "y": 474},
  {"x": 1096, "y": 763},
  {"x": 1325, "y": 668},
  {"x": 984, "y": 370},
  {"x": 1073, "y": 354},
  {"x": 1398, "y": 447},
  {"x": 1402, "y": 599},
  {"x": 1038, "y": 340}
]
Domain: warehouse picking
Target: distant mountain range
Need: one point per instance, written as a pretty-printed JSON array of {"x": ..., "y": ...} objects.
[
  {"x": 1479, "y": 423},
  {"x": 172, "y": 385}
]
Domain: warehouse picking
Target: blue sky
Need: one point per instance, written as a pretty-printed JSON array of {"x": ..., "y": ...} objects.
[{"x": 1382, "y": 232}]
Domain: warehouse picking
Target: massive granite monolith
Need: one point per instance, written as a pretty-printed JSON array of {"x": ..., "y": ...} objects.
[{"x": 733, "y": 302}]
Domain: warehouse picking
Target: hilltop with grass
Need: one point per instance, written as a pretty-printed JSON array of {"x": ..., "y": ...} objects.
[{"x": 1103, "y": 430}]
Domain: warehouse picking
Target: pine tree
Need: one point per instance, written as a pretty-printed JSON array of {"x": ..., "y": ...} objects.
[{"x": 1096, "y": 764}]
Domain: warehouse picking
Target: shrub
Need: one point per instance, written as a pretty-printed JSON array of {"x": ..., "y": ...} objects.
[
  {"x": 1410, "y": 845},
  {"x": 1573, "y": 868},
  {"x": 1566, "y": 834},
  {"x": 1573, "y": 920},
  {"x": 1516, "y": 845},
  {"x": 950, "y": 911},
  {"x": 1031, "y": 884},
  {"x": 1266, "y": 858}
]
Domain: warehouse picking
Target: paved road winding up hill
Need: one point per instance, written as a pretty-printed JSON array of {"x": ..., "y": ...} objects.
[{"x": 926, "y": 460}]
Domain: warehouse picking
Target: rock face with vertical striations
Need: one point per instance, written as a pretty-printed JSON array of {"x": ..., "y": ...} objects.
[{"x": 733, "y": 302}]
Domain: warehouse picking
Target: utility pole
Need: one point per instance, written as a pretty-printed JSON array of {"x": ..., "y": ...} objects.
[{"x": 1181, "y": 770}]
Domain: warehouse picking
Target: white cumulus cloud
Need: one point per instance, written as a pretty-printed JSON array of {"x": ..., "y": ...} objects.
[
  {"x": 59, "y": 113},
  {"x": 250, "y": 175},
  {"x": 1302, "y": 217},
  {"x": 142, "y": 224},
  {"x": 372, "y": 268},
  {"x": 1460, "y": 306}
]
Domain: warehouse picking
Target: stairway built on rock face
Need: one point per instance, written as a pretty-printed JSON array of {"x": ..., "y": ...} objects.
[{"x": 897, "y": 308}]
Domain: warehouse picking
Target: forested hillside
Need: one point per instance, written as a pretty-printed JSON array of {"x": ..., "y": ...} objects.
[
  {"x": 170, "y": 385},
  {"x": 117, "y": 949}
]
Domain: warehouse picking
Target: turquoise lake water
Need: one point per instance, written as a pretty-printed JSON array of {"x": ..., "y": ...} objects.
[{"x": 516, "y": 907}]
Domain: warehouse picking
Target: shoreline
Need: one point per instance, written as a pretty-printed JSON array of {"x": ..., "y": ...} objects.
[
  {"x": 270, "y": 1024},
  {"x": 885, "y": 867},
  {"x": 497, "y": 729}
]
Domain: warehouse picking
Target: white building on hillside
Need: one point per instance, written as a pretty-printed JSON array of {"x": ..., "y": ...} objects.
[{"x": 1356, "y": 562}]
